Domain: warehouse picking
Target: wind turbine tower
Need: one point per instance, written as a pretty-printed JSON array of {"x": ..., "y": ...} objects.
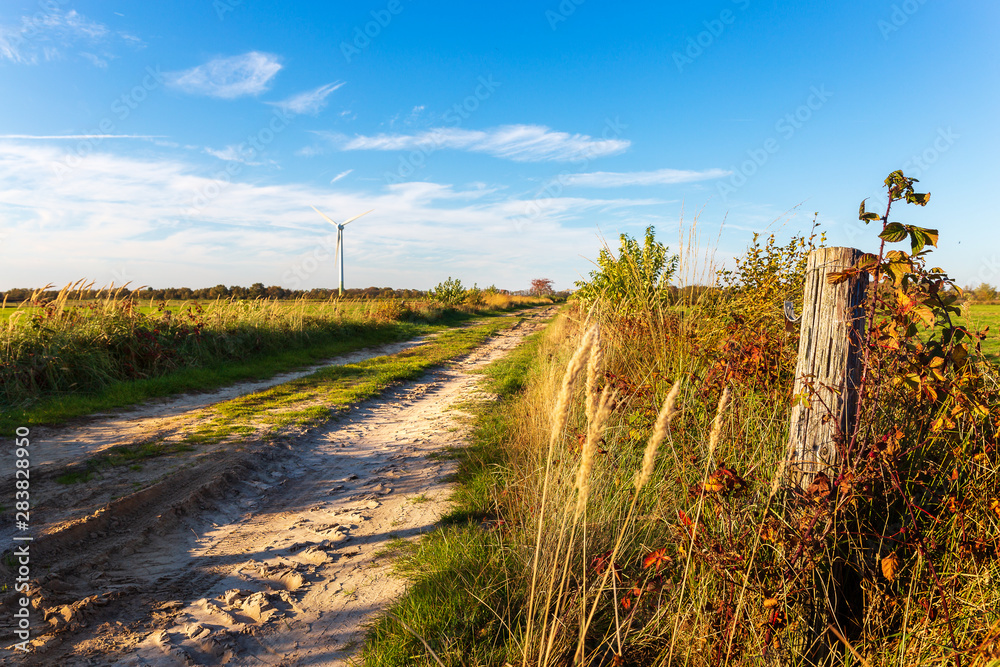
[{"x": 340, "y": 242}]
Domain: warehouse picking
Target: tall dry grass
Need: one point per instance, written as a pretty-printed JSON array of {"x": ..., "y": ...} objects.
[
  {"x": 67, "y": 345},
  {"x": 651, "y": 533}
]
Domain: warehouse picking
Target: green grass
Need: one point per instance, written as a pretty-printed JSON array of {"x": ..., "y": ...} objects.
[
  {"x": 61, "y": 408},
  {"x": 980, "y": 317},
  {"x": 306, "y": 402},
  {"x": 54, "y": 355},
  {"x": 314, "y": 399},
  {"x": 459, "y": 600},
  {"x": 117, "y": 457}
]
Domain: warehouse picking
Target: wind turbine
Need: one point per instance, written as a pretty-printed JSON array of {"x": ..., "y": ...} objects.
[{"x": 340, "y": 242}]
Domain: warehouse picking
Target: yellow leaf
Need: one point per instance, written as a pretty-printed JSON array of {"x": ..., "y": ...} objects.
[
  {"x": 890, "y": 566},
  {"x": 924, "y": 313},
  {"x": 770, "y": 602},
  {"x": 959, "y": 354},
  {"x": 995, "y": 506},
  {"x": 713, "y": 484},
  {"x": 837, "y": 277}
]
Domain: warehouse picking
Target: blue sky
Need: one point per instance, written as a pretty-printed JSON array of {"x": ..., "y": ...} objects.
[{"x": 183, "y": 143}]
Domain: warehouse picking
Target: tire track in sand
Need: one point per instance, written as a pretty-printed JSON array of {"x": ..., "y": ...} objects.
[{"x": 285, "y": 568}]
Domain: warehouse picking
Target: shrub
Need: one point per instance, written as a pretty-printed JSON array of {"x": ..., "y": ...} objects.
[
  {"x": 712, "y": 562},
  {"x": 450, "y": 292},
  {"x": 473, "y": 297},
  {"x": 636, "y": 280}
]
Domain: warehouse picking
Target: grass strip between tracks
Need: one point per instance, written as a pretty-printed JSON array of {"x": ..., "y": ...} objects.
[
  {"x": 459, "y": 600},
  {"x": 306, "y": 402}
]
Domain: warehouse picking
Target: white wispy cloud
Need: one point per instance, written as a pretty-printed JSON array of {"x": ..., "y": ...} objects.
[
  {"x": 95, "y": 60},
  {"x": 232, "y": 153},
  {"x": 228, "y": 78},
  {"x": 169, "y": 221},
  {"x": 51, "y": 33},
  {"x": 612, "y": 179},
  {"x": 521, "y": 143},
  {"x": 310, "y": 102},
  {"x": 341, "y": 175}
]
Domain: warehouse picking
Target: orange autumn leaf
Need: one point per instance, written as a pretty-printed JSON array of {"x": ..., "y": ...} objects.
[
  {"x": 686, "y": 522},
  {"x": 820, "y": 486},
  {"x": 890, "y": 566},
  {"x": 724, "y": 480},
  {"x": 657, "y": 558}
]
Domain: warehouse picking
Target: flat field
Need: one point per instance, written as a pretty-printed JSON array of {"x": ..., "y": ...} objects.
[
  {"x": 979, "y": 318},
  {"x": 346, "y": 307}
]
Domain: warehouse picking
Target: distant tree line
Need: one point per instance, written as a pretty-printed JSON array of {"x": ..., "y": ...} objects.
[
  {"x": 255, "y": 291},
  {"x": 540, "y": 287},
  {"x": 984, "y": 293}
]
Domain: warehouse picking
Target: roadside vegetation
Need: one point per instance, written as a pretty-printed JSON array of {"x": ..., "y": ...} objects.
[
  {"x": 622, "y": 503},
  {"x": 67, "y": 356}
]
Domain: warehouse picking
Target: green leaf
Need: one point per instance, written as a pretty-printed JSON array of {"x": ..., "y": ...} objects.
[
  {"x": 918, "y": 198},
  {"x": 932, "y": 237},
  {"x": 894, "y": 178},
  {"x": 893, "y": 232},
  {"x": 920, "y": 237},
  {"x": 867, "y": 216},
  {"x": 866, "y": 262}
]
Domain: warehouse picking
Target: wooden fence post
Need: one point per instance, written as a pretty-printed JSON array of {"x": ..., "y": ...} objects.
[
  {"x": 824, "y": 411},
  {"x": 828, "y": 369}
]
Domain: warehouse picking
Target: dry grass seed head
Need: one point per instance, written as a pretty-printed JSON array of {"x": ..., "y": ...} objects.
[
  {"x": 667, "y": 413},
  {"x": 594, "y": 366},
  {"x": 561, "y": 410},
  {"x": 594, "y": 432},
  {"x": 713, "y": 438}
]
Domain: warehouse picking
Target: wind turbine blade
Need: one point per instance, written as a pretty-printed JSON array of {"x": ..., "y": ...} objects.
[
  {"x": 324, "y": 215},
  {"x": 356, "y": 217}
]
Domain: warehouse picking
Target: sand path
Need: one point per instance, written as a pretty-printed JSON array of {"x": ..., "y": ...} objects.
[{"x": 278, "y": 558}]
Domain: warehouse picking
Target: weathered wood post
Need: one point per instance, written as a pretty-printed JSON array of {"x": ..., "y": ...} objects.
[
  {"x": 825, "y": 394},
  {"x": 828, "y": 369}
]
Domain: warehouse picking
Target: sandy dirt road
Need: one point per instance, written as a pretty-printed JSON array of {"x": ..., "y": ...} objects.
[
  {"x": 57, "y": 446},
  {"x": 269, "y": 556}
]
